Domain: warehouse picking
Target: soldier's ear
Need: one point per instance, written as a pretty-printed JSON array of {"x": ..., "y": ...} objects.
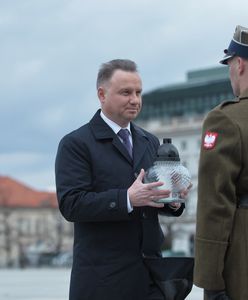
[{"x": 241, "y": 65}]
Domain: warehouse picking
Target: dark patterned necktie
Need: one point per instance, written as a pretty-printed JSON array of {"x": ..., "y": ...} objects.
[{"x": 124, "y": 135}]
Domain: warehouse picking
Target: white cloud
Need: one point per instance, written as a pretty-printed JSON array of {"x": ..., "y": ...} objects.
[
  {"x": 34, "y": 169},
  {"x": 15, "y": 159},
  {"x": 26, "y": 70}
]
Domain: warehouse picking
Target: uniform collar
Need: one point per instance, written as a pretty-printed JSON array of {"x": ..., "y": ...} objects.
[{"x": 244, "y": 95}]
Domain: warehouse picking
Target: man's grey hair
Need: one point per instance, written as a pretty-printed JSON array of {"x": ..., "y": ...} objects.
[{"x": 107, "y": 69}]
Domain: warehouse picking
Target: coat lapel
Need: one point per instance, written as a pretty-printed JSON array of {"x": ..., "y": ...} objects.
[
  {"x": 140, "y": 144},
  {"x": 121, "y": 148},
  {"x": 102, "y": 131}
]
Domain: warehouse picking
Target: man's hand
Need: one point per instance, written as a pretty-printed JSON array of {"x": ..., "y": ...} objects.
[
  {"x": 184, "y": 193},
  {"x": 145, "y": 194}
]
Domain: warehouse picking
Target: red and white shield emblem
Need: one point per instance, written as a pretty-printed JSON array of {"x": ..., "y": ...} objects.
[{"x": 210, "y": 140}]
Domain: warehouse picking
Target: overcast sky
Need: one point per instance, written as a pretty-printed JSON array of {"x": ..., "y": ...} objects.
[{"x": 51, "y": 51}]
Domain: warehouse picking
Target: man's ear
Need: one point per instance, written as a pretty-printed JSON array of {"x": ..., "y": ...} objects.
[{"x": 101, "y": 94}]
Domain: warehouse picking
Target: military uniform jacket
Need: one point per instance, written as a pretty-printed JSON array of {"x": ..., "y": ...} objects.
[
  {"x": 221, "y": 244},
  {"x": 93, "y": 173}
]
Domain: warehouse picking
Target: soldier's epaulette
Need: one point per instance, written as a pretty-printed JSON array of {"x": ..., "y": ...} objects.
[{"x": 224, "y": 103}]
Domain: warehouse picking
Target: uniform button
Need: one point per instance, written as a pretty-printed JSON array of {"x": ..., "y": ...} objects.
[
  {"x": 112, "y": 204},
  {"x": 144, "y": 215}
]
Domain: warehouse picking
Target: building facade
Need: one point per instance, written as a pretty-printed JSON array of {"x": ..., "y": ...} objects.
[{"x": 32, "y": 229}]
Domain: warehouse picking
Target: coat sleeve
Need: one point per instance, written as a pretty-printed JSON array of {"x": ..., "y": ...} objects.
[
  {"x": 74, "y": 180},
  {"x": 170, "y": 212},
  {"x": 219, "y": 168}
]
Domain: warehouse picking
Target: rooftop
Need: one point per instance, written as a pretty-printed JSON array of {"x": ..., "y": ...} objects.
[{"x": 16, "y": 194}]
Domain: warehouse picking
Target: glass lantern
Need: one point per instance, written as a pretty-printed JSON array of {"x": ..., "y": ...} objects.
[{"x": 168, "y": 169}]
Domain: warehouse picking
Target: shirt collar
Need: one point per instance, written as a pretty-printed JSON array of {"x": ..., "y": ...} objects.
[{"x": 115, "y": 127}]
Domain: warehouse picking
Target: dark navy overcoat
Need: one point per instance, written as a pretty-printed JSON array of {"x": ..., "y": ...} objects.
[{"x": 93, "y": 173}]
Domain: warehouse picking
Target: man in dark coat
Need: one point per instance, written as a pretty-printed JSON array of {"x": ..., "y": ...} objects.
[
  {"x": 221, "y": 249},
  {"x": 99, "y": 179}
]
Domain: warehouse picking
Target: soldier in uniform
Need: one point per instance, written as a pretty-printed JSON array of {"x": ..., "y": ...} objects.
[{"x": 221, "y": 243}]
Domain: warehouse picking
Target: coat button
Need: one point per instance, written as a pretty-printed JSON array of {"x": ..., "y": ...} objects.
[
  {"x": 112, "y": 204},
  {"x": 144, "y": 215}
]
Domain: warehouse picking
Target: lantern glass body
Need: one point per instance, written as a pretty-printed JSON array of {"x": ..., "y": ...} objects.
[{"x": 173, "y": 174}]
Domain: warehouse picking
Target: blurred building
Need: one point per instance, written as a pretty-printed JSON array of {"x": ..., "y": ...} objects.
[
  {"x": 177, "y": 112},
  {"x": 31, "y": 227}
]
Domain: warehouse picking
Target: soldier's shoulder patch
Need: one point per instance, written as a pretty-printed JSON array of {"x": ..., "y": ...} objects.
[{"x": 209, "y": 140}]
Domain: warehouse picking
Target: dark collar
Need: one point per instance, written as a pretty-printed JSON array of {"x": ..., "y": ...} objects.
[
  {"x": 101, "y": 130},
  {"x": 244, "y": 95}
]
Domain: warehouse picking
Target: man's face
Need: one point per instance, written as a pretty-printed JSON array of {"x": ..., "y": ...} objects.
[{"x": 120, "y": 97}]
